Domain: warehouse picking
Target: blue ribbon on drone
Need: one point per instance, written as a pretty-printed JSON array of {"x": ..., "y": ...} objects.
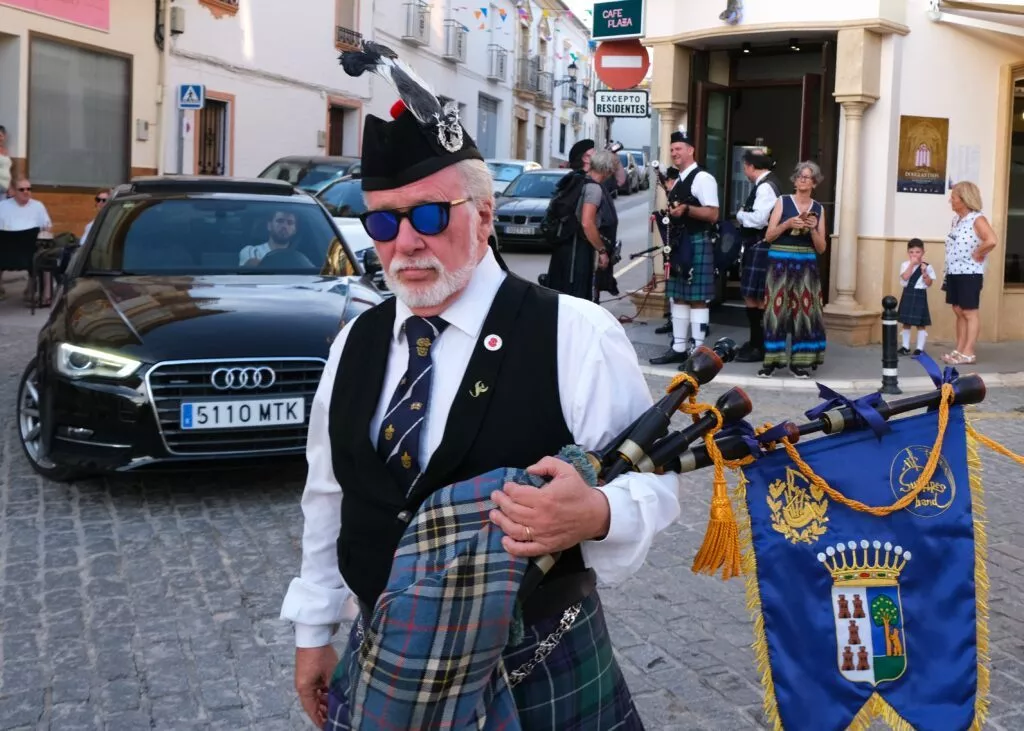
[
  {"x": 946, "y": 375},
  {"x": 864, "y": 407}
]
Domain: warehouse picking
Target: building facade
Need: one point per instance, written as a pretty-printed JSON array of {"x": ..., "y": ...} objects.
[
  {"x": 273, "y": 83},
  {"x": 897, "y": 100},
  {"x": 79, "y": 91}
]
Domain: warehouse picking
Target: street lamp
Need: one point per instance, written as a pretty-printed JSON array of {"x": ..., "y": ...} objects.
[{"x": 572, "y": 70}]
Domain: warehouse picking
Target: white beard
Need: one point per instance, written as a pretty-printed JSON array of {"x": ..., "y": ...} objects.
[{"x": 430, "y": 295}]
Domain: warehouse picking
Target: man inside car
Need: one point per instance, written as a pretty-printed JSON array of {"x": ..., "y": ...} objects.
[{"x": 280, "y": 230}]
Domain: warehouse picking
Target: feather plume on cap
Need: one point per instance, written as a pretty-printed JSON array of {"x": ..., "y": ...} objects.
[{"x": 413, "y": 91}]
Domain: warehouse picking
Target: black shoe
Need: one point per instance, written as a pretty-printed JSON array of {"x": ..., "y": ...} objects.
[
  {"x": 664, "y": 329},
  {"x": 766, "y": 371},
  {"x": 670, "y": 356},
  {"x": 903, "y": 351},
  {"x": 749, "y": 354},
  {"x": 799, "y": 372},
  {"x": 917, "y": 352}
]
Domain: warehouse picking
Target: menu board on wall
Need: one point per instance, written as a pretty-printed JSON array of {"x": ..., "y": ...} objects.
[
  {"x": 90, "y": 13},
  {"x": 923, "y": 151}
]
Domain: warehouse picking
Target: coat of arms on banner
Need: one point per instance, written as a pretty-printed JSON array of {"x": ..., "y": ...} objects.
[{"x": 870, "y": 628}]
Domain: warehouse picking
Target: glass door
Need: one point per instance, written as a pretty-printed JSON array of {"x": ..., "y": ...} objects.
[{"x": 711, "y": 134}]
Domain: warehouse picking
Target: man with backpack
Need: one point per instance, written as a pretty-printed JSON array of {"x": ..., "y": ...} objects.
[
  {"x": 693, "y": 215},
  {"x": 580, "y": 220}
]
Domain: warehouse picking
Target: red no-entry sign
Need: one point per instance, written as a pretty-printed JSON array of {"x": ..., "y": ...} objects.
[{"x": 621, "y": 64}]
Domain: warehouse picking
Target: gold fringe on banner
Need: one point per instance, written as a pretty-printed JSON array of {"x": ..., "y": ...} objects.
[{"x": 876, "y": 707}]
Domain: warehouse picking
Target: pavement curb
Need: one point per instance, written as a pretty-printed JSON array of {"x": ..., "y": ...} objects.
[{"x": 784, "y": 383}]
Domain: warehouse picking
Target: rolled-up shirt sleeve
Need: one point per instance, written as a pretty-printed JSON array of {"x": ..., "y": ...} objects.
[
  {"x": 598, "y": 369},
  {"x": 764, "y": 202},
  {"x": 318, "y": 599}
]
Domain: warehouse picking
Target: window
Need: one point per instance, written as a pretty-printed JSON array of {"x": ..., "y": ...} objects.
[
  {"x": 346, "y": 34},
  {"x": 79, "y": 116},
  {"x": 561, "y": 138}
]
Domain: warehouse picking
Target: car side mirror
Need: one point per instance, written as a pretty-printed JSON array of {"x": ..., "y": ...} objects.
[{"x": 371, "y": 262}]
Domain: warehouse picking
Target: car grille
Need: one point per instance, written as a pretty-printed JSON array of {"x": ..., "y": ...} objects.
[
  {"x": 171, "y": 383},
  {"x": 520, "y": 219}
]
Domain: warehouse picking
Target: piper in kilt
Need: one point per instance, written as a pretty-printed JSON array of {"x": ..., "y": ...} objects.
[
  {"x": 693, "y": 212},
  {"x": 752, "y": 220},
  {"x": 796, "y": 231},
  {"x": 468, "y": 369},
  {"x": 916, "y": 276}
]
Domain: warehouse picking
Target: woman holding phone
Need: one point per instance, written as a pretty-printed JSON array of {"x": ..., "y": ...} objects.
[{"x": 793, "y": 300}]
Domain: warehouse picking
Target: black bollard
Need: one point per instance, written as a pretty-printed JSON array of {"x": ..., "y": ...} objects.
[{"x": 890, "y": 355}]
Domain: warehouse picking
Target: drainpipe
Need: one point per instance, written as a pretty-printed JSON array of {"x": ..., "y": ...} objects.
[{"x": 161, "y": 81}]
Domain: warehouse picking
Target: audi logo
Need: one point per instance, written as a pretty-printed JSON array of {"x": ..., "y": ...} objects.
[{"x": 251, "y": 377}]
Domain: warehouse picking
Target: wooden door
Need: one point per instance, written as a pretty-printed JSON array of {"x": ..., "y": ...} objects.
[{"x": 336, "y": 131}]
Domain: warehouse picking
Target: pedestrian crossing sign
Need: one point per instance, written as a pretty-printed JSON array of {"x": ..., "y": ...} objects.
[{"x": 191, "y": 96}]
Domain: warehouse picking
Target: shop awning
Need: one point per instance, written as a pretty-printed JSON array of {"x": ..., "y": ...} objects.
[{"x": 999, "y": 16}]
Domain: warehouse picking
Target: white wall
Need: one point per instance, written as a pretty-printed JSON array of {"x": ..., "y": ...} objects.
[
  {"x": 281, "y": 66},
  {"x": 922, "y": 77},
  {"x": 670, "y": 17}
]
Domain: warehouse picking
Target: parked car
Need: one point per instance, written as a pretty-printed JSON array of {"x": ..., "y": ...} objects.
[
  {"x": 311, "y": 173},
  {"x": 163, "y": 349},
  {"x": 520, "y": 208},
  {"x": 629, "y": 163},
  {"x": 642, "y": 167},
  {"x": 343, "y": 199},
  {"x": 505, "y": 171}
]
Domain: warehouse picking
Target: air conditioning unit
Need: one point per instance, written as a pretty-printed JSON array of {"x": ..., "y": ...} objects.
[
  {"x": 417, "y": 24},
  {"x": 577, "y": 118},
  {"x": 498, "y": 66}
]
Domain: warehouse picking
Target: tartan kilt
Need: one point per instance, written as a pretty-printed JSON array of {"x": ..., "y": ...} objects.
[
  {"x": 913, "y": 308},
  {"x": 578, "y": 687},
  {"x": 702, "y": 287},
  {"x": 754, "y": 275}
]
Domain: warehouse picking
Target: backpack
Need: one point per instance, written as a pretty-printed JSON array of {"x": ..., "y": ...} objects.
[{"x": 561, "y": 224}]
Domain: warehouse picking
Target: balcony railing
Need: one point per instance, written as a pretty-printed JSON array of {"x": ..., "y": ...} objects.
[
  {"x": 347, "y": 38},
  {"x": 527, "y": 72},
  {"x": 454, "y": 41},
  {"x": 545, "y": 85},
  {"x": 417, "y": 23},
  {"x": 569, "y": 94},
  {"x": 497, "y": 68},
  {"x": 585, "y": 97}
]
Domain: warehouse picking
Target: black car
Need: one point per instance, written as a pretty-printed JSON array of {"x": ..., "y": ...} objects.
[
  {"x": 179, "y": 335},
  {"x": 520, "y": 208}
]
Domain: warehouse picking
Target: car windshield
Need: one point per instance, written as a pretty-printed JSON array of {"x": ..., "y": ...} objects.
[
  {"x": 533, "y": 185},
  {"x": 504, "y": 173},
  {"x": 624, "y": 157},
  {"x": 344, "y": 199},
  {"x": 306, "y": 175},
  {"x": 212, "y": 235}
]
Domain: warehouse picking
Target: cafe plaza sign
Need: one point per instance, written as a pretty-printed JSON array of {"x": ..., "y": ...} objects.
[
  {"x": 621, "y": 103},
  {"x": 618, "y": 19}
]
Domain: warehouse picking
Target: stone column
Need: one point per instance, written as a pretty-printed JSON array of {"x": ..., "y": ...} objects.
[{"x": 858, "y": 67}]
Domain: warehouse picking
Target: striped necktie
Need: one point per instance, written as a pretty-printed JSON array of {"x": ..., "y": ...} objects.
[{"x": 398, "y": 443}]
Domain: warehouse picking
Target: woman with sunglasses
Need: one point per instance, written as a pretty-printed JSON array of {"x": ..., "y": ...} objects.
[{"x": 101, "y": 200}]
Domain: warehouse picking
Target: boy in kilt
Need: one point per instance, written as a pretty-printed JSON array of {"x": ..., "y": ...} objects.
[
  {"x": 467, "y": 371},
  {"x": 752, "y": 220},
  {"x": 916, "y": 276},
  {"x": 693, "y": 212}
]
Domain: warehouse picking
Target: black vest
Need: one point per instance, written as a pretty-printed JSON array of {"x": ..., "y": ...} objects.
[
  {"x": 515, "y": 422},
  {"x": 682, "y": 192},
  {"x": 757, "y": 234}
]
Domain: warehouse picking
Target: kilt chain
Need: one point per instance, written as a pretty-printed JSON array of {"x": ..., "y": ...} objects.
[{"x": 546, "y": 646}]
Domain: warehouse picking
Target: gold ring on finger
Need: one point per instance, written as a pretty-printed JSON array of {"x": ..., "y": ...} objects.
[{"x": 529, "y": 534}]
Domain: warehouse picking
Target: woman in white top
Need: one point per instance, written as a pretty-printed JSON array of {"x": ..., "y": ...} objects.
[{"x": 968, "y": 244}]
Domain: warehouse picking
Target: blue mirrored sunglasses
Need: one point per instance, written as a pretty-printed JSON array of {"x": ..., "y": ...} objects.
[{"x": 428, "y": 219}]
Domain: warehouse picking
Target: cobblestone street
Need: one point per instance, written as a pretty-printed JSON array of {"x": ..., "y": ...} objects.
[{"x": 152, "y": 602}]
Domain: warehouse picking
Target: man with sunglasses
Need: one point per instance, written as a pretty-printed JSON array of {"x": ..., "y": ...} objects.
[
  {"x": 23, "y": 212},
  {"x": 469, "y": 368}
]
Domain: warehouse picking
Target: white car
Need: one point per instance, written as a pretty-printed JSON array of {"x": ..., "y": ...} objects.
[{"x": 505, "y": 171}]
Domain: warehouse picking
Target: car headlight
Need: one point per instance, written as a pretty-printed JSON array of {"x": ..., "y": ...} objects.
[{"x": 77, "y": 362}]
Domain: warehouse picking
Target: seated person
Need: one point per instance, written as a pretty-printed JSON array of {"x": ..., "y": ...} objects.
[
  {"x": 281, "y": 230},
  {"x": 23, "y": 212}
]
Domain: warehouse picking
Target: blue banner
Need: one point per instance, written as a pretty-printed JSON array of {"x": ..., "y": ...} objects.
[{"x": 867, "y": 616}]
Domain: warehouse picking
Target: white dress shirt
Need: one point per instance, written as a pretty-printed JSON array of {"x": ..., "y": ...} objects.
[
  {"x": 704, "y": 187},
  {"x": 764, "y": 202},
  {"x": 15, "y": 217},
  {"x": 920, "y": 280},
  {"x": 602, "y": 391}
]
